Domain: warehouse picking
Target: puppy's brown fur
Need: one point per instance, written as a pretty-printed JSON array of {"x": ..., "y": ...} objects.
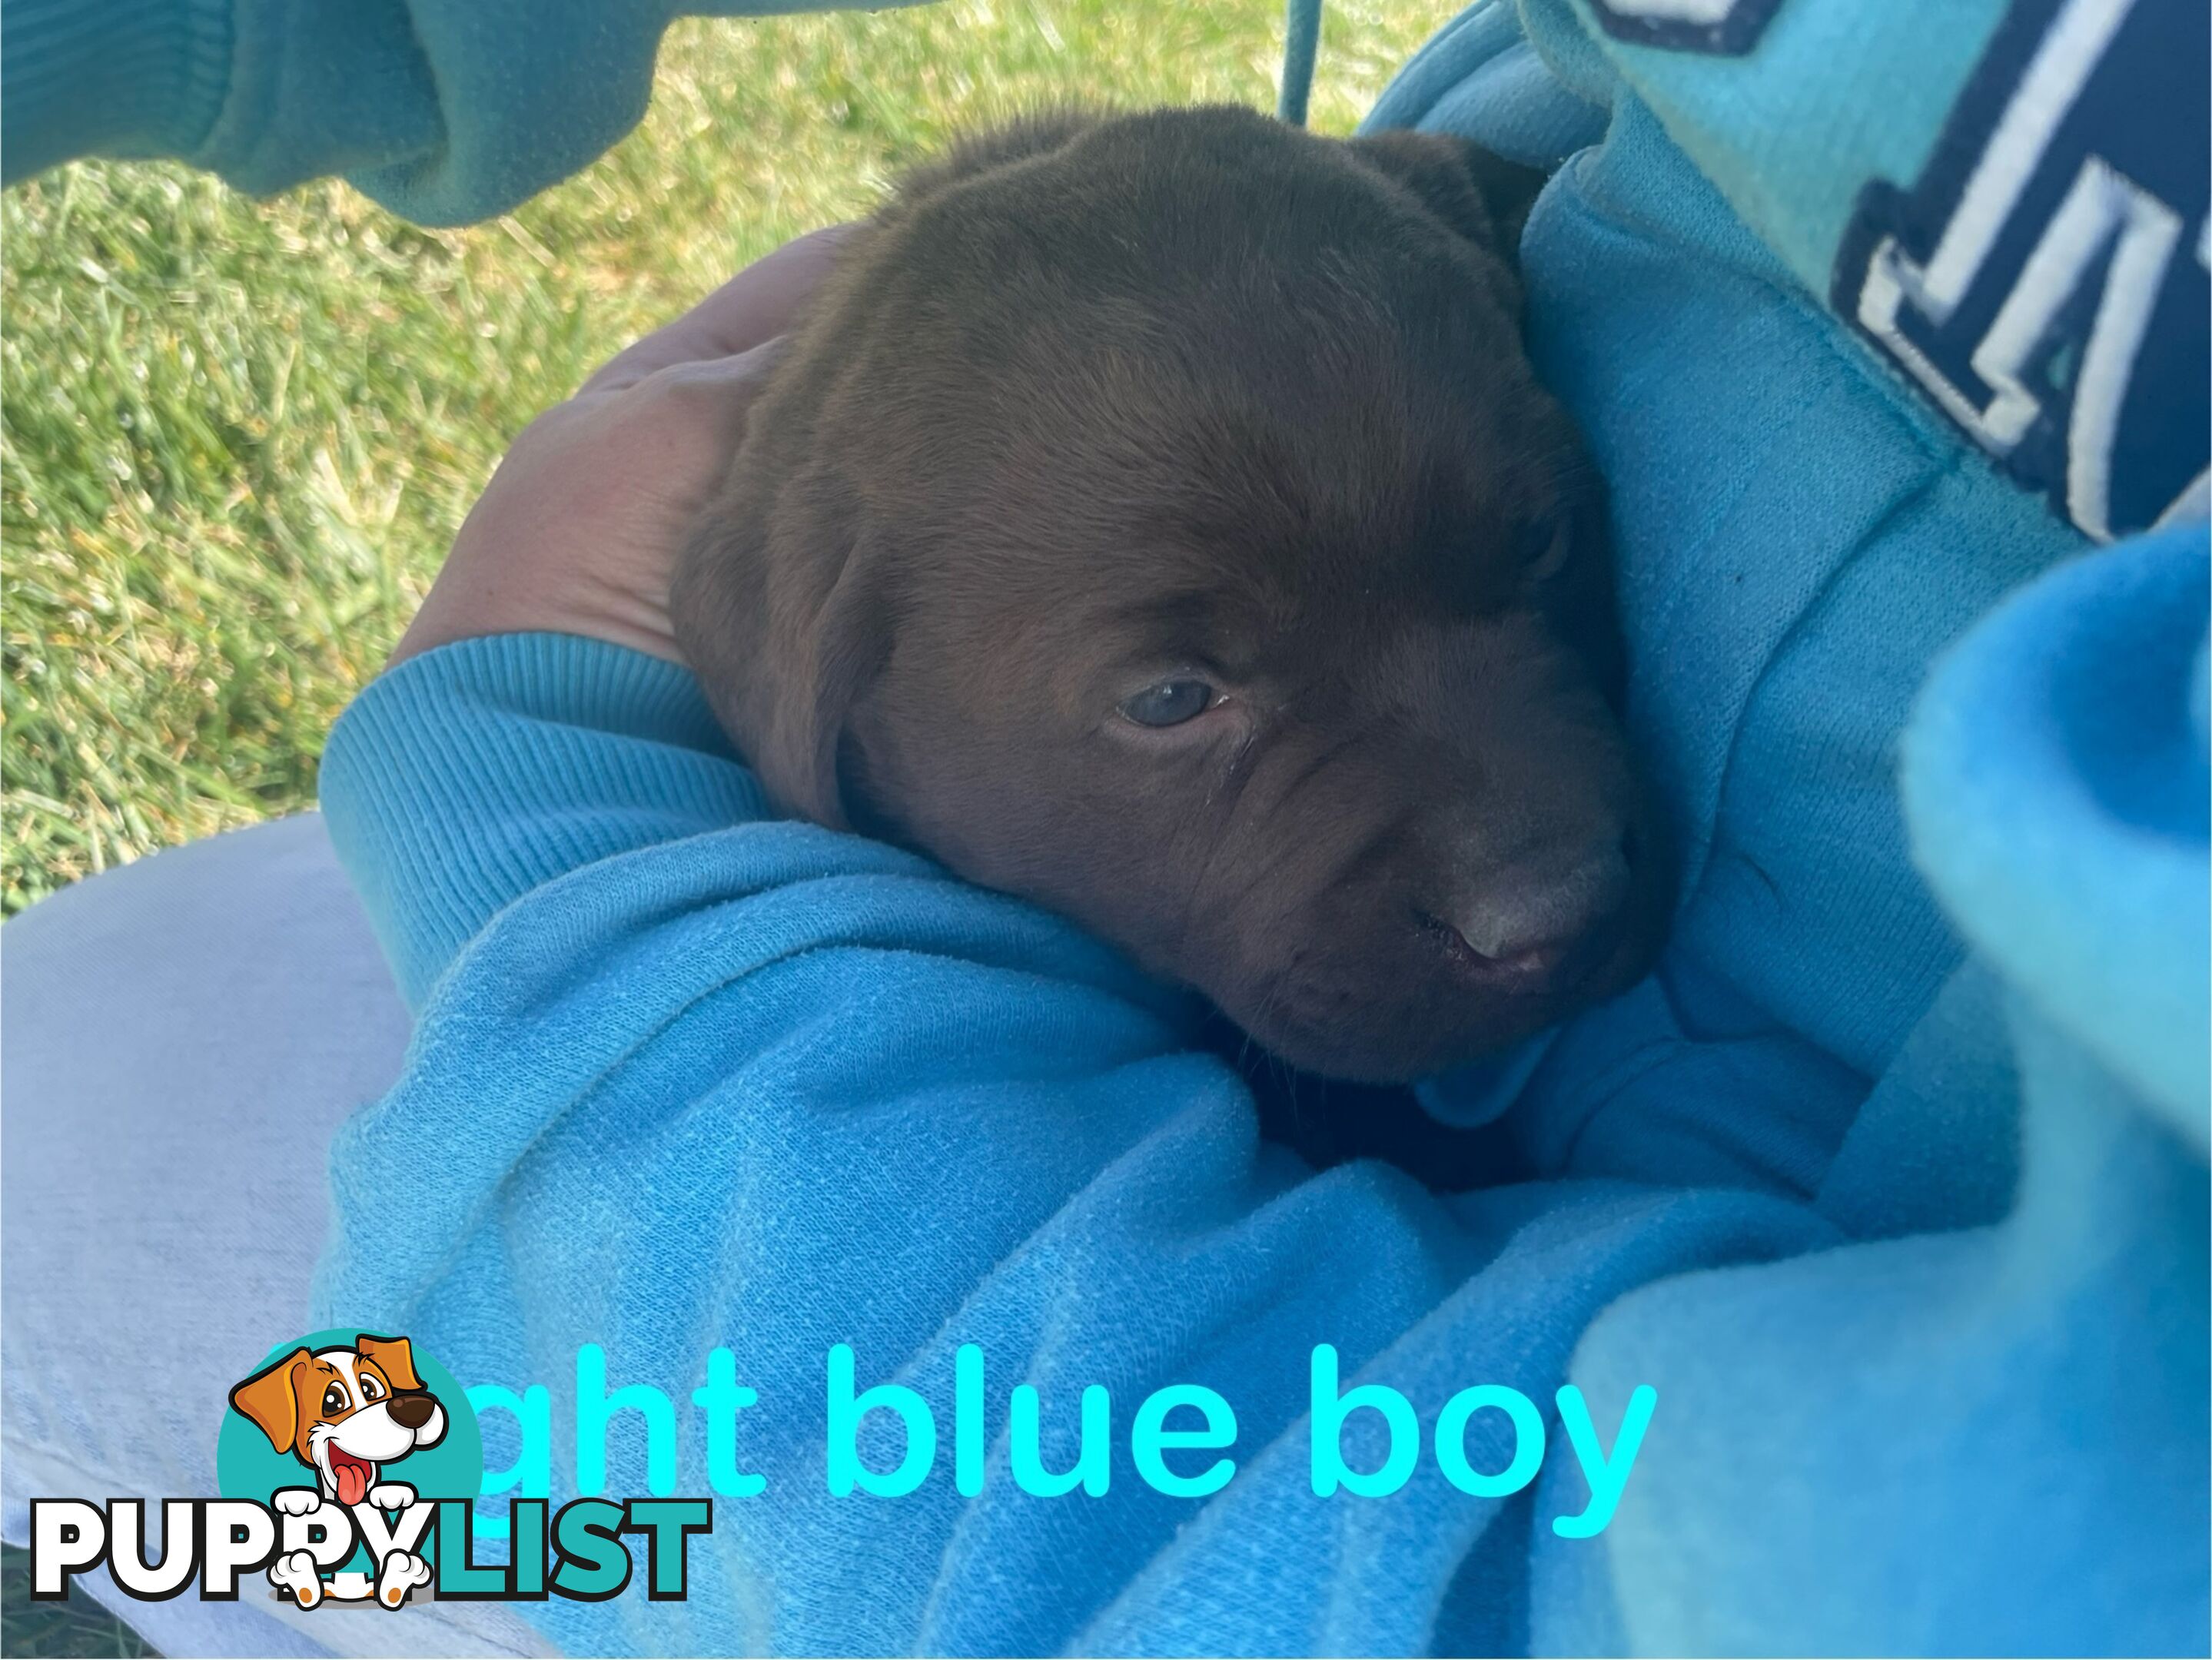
[{"x": 1095, "y": 406}]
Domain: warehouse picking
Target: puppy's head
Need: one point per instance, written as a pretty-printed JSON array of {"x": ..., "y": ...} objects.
[
  {"x": 344, "y": 1412},
  {"x": 1159, "y": 518}
]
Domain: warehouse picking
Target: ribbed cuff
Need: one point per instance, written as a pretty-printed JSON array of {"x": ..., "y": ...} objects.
[
  {"x": 467, "y": 776},
  {"x": 109, "y": 78}
]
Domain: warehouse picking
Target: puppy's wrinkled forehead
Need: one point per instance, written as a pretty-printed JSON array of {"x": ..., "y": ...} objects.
[{"x": 1226, "y": 410}]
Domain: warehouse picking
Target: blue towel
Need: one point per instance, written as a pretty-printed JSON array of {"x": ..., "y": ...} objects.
[{"x": 1890, "y": 1180}]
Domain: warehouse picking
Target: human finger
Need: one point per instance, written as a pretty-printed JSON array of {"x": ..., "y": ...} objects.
[{"x": 757, "y": 304}]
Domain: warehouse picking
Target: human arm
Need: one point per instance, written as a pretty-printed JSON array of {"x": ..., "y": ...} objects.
[{"x": 689, "y": 1077}]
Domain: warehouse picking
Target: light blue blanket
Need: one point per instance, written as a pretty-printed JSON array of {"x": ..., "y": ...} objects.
[{"x": 1891, "y": 1181}]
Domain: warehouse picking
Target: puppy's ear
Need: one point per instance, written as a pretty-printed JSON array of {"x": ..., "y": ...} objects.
[
  {"x": 1485, "y": 197},
  {"x": 271, "y": 1399},
  {"x": 395, "y": 1358},
  {"x": 780, "y": 610},
  {"x": 822, "y": 662}
]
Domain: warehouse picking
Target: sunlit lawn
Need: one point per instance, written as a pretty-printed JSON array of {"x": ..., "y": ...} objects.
[{"x": 239, "y": 434}]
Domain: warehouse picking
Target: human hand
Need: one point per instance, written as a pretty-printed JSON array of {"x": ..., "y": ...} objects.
[{"x": 579, "y": 530}]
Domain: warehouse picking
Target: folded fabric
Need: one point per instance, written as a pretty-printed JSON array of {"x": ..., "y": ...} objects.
[
  {"x": 1929, "y": 1366},
  {"x": 447, "y": 112},
  {"x": 771, "y": 1088},
  {"x": 1991, "y": 1440}
]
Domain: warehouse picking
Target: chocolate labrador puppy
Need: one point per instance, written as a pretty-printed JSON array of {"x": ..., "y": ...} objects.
[{"x": 1157, "y": 517}]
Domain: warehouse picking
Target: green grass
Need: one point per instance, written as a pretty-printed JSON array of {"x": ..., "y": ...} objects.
[
  {"x": 236, "y": 437},
  {"x": 78, "y": 1627}
]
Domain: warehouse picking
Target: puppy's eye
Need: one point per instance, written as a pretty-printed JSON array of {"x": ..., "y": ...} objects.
[
  {"x": 370, "y": 1388},
  {"x": 1170, "y": 704},
  {"x": 1545, "y": 546},
  {"x": 334, "y": 1398}
]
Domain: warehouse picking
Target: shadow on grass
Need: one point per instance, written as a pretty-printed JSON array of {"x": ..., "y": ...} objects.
[{"x": 78, "y": 1627}]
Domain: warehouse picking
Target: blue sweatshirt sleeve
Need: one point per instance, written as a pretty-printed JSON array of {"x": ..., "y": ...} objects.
[
  {"x": 689, "y": 1078},
  {"x": 447, "y": 112},
  {"x": 469, "y": 775}
]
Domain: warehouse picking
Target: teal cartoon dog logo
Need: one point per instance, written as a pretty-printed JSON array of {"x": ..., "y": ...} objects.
[{"x": 358, "y": 1421}]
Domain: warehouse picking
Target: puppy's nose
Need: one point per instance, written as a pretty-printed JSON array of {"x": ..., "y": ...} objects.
[
  {"x": 1537, "y": 922},
  {"x": 411, "y": 1411}
]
